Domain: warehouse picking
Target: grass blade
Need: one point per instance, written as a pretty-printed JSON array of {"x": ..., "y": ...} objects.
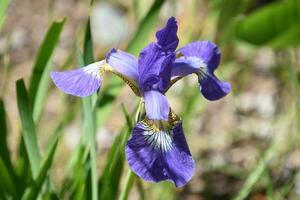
[
  {"x": 6, "y": 183},
  {"x": 33, "y": 191},
  {"x": 89, "y": 117},
  {"x": 41, "y": 93},
  {"x": 28, "y": 127},
  {"x": 256, "y": 173},
  {"x": 145, "y": 28},
  {"x": 44, "y": 54},
  {"x": 4, "y": 151},
  {"x": 3, "y": 6}
]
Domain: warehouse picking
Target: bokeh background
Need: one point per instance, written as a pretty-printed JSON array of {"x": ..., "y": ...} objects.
[{"x": 246, "y": 145}]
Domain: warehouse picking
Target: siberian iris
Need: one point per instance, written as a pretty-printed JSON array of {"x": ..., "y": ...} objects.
[{"x": 157, "y": 149}]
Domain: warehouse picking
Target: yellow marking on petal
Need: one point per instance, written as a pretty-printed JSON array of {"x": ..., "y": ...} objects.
[{"x": 130, "y": 82}]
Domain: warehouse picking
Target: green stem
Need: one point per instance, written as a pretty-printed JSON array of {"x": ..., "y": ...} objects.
[{"x": 130, "y": 175}]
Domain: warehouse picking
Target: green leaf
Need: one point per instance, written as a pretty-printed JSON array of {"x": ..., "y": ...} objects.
[
  {"x": 43, "y": 56},
  {"x": 42, "y": 92},
  {"x": 257, "y": 173},
  {"x": 33, "y": 191},
  {"x": 3, "y": 7},
  {"x": 28, "y": 127},
  {"x": 110, "y": 178},
  {"x": 145, "y": 28},
  {"x": 270, "y": 22},
  {"x": 89, "y": 117},
  {"x": 4, "y": 151},
  {"x": 6, "y": 183}
]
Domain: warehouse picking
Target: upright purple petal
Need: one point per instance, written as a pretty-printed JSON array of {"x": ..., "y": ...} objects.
[
  {"x": 79, "y": 82},
  {"x": 212, "y": 88},
  {"x": 156, "y": 105},
  {"x": 124, "y": 63},
  {"x": 167, "y": 37},
  {"x": 206, "y": 50},
  {"x": 154, "y": 68},
  {"x": 156, "y": 154}
]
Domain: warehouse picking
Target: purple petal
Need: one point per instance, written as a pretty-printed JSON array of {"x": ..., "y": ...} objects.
[
  {"x": 186, "y": 65},
  {"x": 156, "y": 154},
  {"x": 212, "y": 88},
  {"x": 156, "y": 105},
  {"x": 123, "y": 63},
  {"x": 154, "y": 68},
  {"x": 167, "y": 37},
  {"x": 205, "y": 50},
  {"x": 79, "y": 82}
]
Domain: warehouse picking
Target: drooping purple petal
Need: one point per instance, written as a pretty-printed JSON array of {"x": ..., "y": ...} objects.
[
  {"x": 124, "y": 63},
  {"x": 212, "y": 88},
  {"x": 156, "y": 105},
  {"x": 79, "y": 82},
  {"x": 157, "y": 154},
  {"x": 154, "y": 68},
  {"x": 184, "y": 66},
  {"x": 206, "y": 50},
  {"x": 167, "y": 37}
]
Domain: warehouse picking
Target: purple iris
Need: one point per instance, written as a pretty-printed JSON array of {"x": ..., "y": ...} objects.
[{"x": 157, "y": 149}]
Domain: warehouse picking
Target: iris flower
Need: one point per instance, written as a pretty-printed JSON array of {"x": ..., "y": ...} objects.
[{"x": 157, "y": 149}]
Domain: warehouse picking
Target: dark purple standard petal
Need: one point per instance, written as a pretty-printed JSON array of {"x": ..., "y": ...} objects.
[
  {"x": 167, "y": 37},
  {"x": 205, "y": 50},
  {"x": 154, "y": 68},
  {"x": 158, "y": 155},
  {"x": 79, "y": 82},
  {"x": 124, "y": 63},
  {"x": 212, "y": 88},
  {"x": 156, "y": 105}
]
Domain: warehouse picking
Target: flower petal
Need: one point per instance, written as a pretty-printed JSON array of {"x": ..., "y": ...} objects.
[
  {"x": 205, "y": 50},
  {"x": 167, "y": 37},
  {"x": 154, "y": 68},
  {"x": 79, "y": 82},
  {"x": 186, "y": 65},
  {"x": 160, "y": 154},
  {"x": 156, "y": 105},
  {"x": 212, "y": 88},
  {"x": 124, "y": 63}
]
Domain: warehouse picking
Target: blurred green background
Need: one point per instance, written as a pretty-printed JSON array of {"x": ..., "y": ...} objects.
[{"x": 54, "y": 146}]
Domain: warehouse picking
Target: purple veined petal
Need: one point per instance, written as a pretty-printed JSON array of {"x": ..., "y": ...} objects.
[
  {"x": 212, "y": 88},
  {"x": 154, "y": 68},
  {"x": 167, "y": 37},
  {"x": 124, "y": 63},
  {"x": 80, "y": 82},
  {"x": 206, "y": 50},
  {"x": 157, "y": 153},
  {"x": 156, "y": 105},
  {"x": 184, "y": 66}
]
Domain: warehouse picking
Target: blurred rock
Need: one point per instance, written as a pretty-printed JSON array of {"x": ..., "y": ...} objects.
[{"x": 109, "y": 25}]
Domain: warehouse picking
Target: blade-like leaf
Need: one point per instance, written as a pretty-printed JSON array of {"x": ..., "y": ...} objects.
[
  {"x": 89, "y": 117},
  {"x": 44, "y": 53},
  {"x": 110, "y": 179},
  {"x": 33, "y": 191},
  {"x": 28, "y": 127},
  {"x": 4, "y": 152},
  {"x": 145, "y": 28},
  {"x": 3, "y": 7},
  {"x": 6, "y": 181},
  {"x": 41, "y": 93},
  {"x": 270, "y": 22}
]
